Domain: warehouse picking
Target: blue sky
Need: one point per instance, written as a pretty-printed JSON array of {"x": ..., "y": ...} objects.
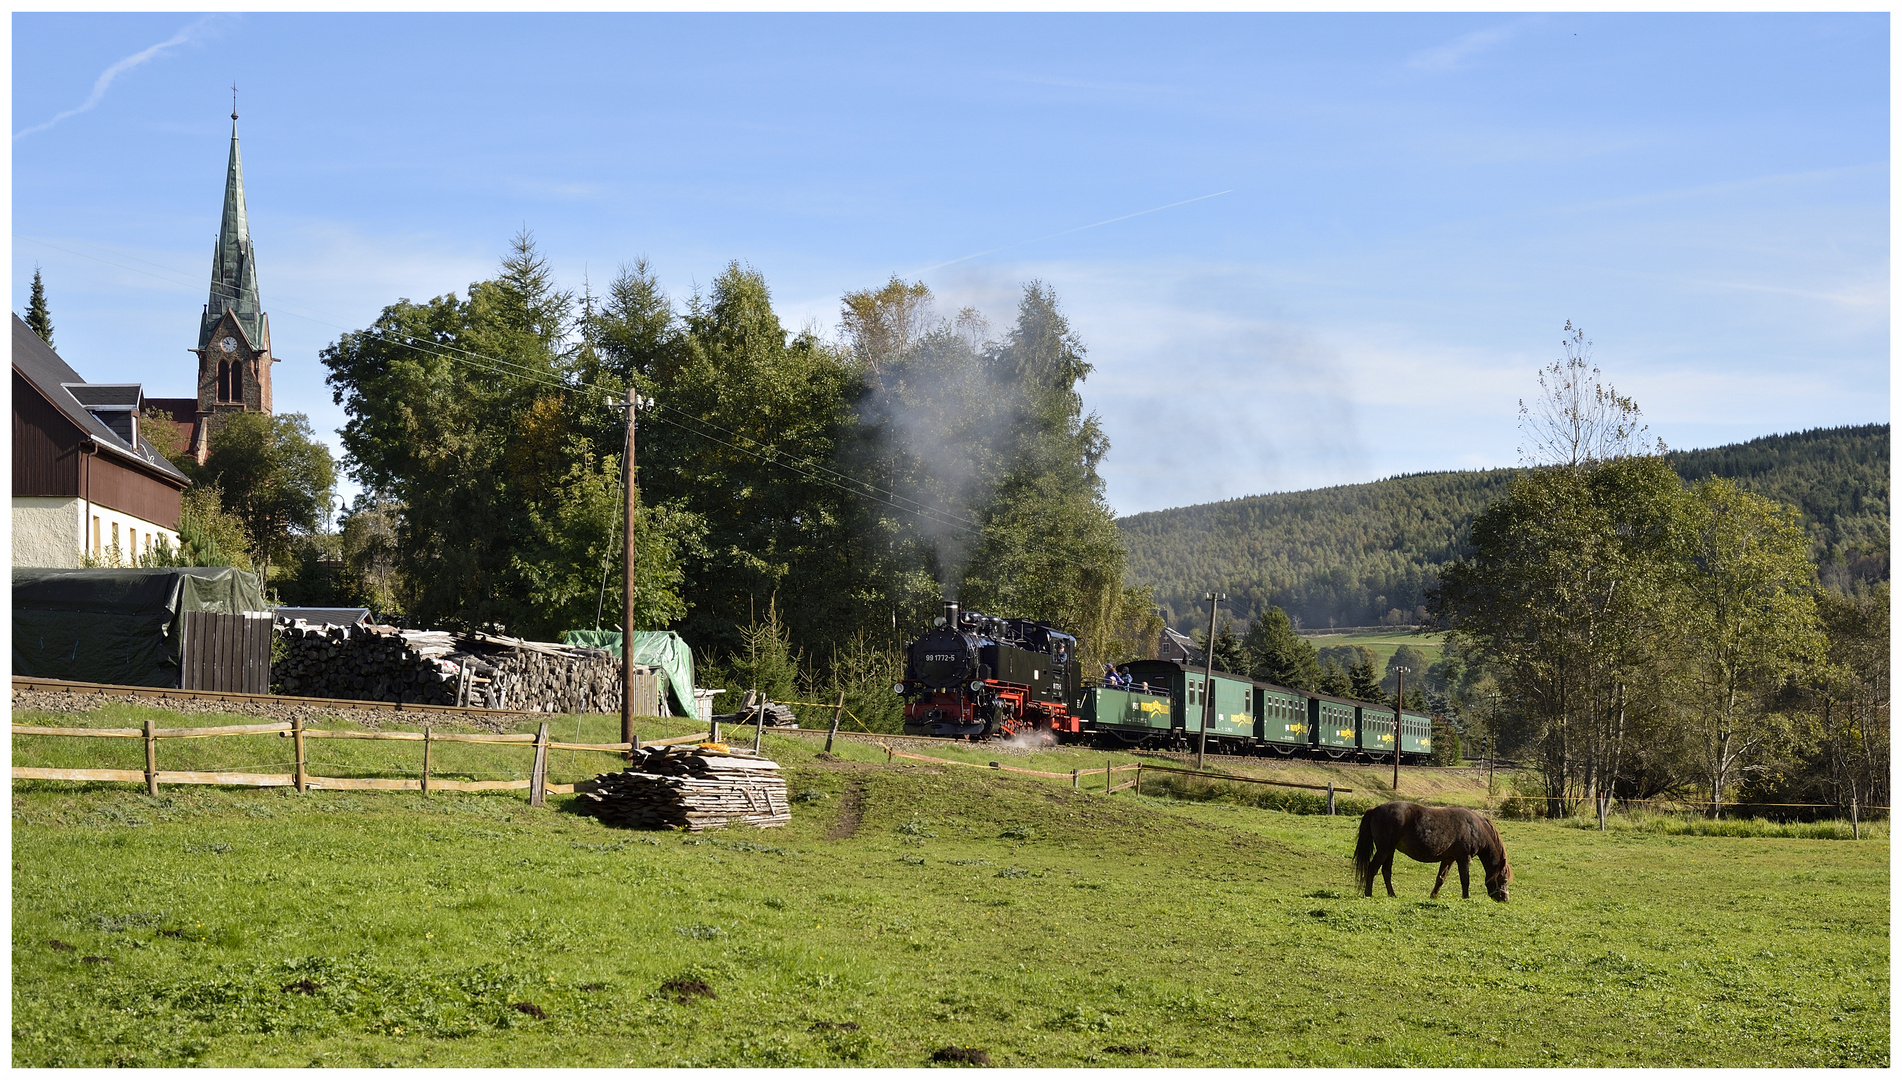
[{"x": 1410, "y": 207}]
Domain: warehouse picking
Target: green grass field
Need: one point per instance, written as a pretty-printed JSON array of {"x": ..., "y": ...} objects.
[
  {"x": 910, "y": 907},
  {"x": 1383, "y": 643}
]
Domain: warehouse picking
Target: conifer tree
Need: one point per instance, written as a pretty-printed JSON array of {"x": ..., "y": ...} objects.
[{"x": 38, "y": 319}]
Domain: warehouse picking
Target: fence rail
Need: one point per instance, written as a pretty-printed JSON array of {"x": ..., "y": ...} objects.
[{"x": 153, "y": 777}]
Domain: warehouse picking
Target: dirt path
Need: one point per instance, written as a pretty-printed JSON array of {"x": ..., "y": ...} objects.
[{"x": 848, "y": 822}]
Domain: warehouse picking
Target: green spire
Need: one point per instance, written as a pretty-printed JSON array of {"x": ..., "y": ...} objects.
[{"x": 234, "y": 272}]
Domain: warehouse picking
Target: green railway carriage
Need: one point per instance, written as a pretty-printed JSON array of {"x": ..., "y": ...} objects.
[
  {"x": 1234, "y": 723},
  {"x": 1416, "y": 735},
  {"x": 1334, "y": 725},
  {"x": 1282, "y": 718},
  {"x": 1130, "y": 716},
  {"x": 1376, "y": 733}
]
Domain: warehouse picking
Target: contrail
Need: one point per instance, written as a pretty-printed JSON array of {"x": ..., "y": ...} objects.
[
  {"x": 1066, "y": 232},
  {"x": 105, "y": 79}
]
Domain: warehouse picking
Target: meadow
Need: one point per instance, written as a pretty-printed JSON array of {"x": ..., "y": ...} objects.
[
  {"x": 1383, "y": 643},
  {"x": 910, "y": 909}
]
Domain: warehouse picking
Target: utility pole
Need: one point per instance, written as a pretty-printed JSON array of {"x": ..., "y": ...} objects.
[
  {"x": 1208, "y": 678},
  {"x": 1399, "y": 702},
  {"x": 627, "y": 577}
]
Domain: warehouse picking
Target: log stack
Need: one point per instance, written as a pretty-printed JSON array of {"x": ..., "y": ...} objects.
[
  {"x": 365, "y": 663},
  {"x": 691, "y": 788},
  {"x": 369, "y": 662}
]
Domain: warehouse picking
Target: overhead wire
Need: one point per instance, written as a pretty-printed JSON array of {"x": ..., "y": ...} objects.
[{"x": 811, "y": 470}]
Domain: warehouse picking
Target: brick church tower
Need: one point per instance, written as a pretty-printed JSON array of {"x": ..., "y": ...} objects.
[{"x": 234, "y": 335}]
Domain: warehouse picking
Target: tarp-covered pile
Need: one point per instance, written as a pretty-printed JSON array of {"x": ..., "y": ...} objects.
[
  {"x": 662, "y": 649},
  {"x": 119, "y": 626},
  {"x": 688, "y": 787}
]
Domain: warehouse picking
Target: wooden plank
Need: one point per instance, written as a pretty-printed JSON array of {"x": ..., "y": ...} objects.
[
  {"x": 480, "y": 785},
  {"x": 81, "y": 733},
  {"x": 233, "y": 729},
  {"x": 334, "y": 783},
  {"x": 229, "y": 779},
  {"x": 705, "y": 736},
  {"x": 560, "y": 789},
  {"x": 136, "y": 776},
  {"x": 608, "y": 748}
]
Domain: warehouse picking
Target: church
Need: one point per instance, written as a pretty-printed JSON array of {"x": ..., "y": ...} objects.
[
  {"x": 234, "y": 334},
  {"x": 87, "y": 484}
]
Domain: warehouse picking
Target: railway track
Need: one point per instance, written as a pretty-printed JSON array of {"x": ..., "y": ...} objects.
[{"x": 63, "y": 686}]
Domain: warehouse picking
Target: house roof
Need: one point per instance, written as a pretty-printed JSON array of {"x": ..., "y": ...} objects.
[{"x": 39, "y": 365}]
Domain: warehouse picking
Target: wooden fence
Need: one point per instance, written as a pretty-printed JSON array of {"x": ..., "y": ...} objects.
[
  {"x": 227, "y": 652},
  {"x": 537, "y": 783}
]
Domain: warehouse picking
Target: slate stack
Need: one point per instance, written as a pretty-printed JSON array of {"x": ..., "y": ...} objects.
[{"x": 687, "y": 787}]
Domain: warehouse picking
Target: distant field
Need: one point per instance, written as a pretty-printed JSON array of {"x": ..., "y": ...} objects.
[
  {"x": 1383, "y": 642},
  {"x": 910, "y": 907}
]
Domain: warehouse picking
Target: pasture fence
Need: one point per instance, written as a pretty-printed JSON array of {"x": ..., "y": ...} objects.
[{"x": 300, "y": 778}]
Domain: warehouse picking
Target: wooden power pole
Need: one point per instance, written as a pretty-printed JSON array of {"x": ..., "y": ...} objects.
[
  {"x": 1399, "y": 701},
  {"x": 627, "y": 577},
  {"x": 1208, "y": 679}
]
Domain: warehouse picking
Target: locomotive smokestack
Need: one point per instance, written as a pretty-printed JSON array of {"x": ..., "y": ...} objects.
[{"x": 951, "y": 613}]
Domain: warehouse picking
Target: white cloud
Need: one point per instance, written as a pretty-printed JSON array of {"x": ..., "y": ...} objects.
[
  {"x": 106, "y": 78},
  {"x": 1454, "y": 54}
]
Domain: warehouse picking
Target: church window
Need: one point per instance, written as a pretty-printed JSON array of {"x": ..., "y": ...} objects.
[
  {"x": 224, "y": 380},
  {"x": 237, "y": 382}
]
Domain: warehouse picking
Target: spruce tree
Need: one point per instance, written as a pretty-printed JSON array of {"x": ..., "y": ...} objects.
[
  {"x": 1278, "y": 655},
  {"x": 37, "y": 317}
]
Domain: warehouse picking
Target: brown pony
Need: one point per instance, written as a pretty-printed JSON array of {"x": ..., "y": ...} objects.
[{"x": 1446, "y": 835}]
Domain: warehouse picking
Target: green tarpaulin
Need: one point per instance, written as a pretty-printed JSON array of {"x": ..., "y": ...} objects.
[
  {"x": 663, "y": 649},
  {"x": 117, "y": 626}
]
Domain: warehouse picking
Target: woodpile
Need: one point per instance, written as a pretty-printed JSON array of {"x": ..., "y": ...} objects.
[
  {"x": 688, "y": 787},
  {"x": 437, "y": 667},
  {"x": 755, "y": 710}
]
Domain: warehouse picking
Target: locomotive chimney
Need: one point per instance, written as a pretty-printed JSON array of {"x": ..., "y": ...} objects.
[{"x": 951, "y": 614}]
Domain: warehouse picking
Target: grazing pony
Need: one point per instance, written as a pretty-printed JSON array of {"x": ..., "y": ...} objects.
[{"x": 1446, "y": 835}]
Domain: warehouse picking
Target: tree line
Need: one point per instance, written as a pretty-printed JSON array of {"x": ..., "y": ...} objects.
[
  {"x": 1366, "y": 554},
  {"x": 803, "y": 501}
]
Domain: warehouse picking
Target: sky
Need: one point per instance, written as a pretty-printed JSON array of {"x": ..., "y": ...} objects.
[{"x": 1301, "y": 250}]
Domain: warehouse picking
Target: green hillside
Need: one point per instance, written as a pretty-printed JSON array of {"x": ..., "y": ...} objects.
[{"x": 1361, "y": 554}]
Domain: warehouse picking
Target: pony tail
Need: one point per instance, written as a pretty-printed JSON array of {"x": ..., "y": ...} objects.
[{"x": 1364, "y": 855}]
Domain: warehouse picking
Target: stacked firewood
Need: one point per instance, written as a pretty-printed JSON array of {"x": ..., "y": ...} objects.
[
  {"x": 437, "y": 667},
  {"x": 757, "y": 710},
  {"x": 364, "y": 663},
  {"x": 688, "y": 788}
]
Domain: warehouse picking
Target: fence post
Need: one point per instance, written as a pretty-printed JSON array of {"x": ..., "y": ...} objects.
[
  {"x": 1330, "y": 798},
  {"x": 759, "y": 724},
  {"x": 538, "y": 776},
  {"x": 1855, "y": 820},
  {"x": 1139, "y": 778},
  {"x": 1108, "y": 779},
  {"x": 713, "y": 731},
  {"x": 1604, "y": 805},
  {"x": 426, "y": 730},
  {"x": 297, "y": 749},
  {"x": 837, "y": 711},
  {"x": 1074, "y": 774},
  {"x": 151, "y": 759},
  {"x": 888, "y": 755}
]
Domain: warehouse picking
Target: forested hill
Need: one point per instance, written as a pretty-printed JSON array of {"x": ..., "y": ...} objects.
[{"x": 1360, "y": 554}]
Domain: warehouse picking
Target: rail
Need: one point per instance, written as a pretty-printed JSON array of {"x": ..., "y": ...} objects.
[{"x": 153, "y": 777}]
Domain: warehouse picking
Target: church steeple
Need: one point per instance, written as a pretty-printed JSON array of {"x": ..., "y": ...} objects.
[
  {"x": 234, "y": 271},
  {"x": 234, "y": 335}
]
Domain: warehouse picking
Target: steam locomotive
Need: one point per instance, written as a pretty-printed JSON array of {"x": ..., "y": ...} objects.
[{"x": 977, "y": 676}]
